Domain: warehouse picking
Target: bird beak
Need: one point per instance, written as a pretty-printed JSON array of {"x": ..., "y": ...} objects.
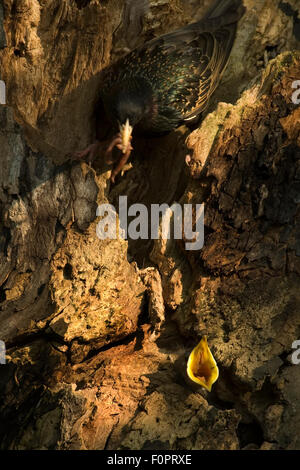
[
  {"x": 201, "y": 366},
  {"x": 125, "y": 132}
]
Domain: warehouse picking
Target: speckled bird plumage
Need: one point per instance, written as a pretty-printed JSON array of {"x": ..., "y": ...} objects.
[{"x": 170, "y": 79}]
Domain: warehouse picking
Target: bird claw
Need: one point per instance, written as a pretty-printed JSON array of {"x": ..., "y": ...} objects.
[
  {"x": 90, "y": 152},
  {"x": 188, "y": 160},
  {"x": 118, "y": 143},
  {"x": 122, "y": 162}
]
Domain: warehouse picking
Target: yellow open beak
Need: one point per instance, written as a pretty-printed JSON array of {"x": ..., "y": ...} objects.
[
  {"x": 125, "y": 132},
  {"x": 201, "y": 366}
]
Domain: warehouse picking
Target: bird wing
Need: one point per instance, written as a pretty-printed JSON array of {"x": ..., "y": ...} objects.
[{"x": 184, "y": 67}]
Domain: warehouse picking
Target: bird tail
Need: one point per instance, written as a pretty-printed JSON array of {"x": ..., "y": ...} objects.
[{"x": 226, "y": 8}]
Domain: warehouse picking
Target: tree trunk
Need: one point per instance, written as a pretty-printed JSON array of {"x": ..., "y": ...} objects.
[{"x": 97, "y": 331}]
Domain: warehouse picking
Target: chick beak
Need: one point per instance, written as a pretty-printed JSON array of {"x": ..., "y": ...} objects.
[
  {"x": 125, "y": 133},
  {"x": 202, "y": 367}
]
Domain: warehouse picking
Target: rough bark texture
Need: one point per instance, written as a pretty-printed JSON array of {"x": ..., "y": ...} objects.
[{"x": 97, "y": 332}]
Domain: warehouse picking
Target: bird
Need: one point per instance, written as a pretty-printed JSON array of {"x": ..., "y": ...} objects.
[
  {"x": 168, "y": 81},
  {"x": 197, "y": 368},
  {"x": 201, "y": 366}
]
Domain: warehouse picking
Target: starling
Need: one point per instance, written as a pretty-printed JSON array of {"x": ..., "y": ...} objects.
[{"x": 169, "y": 80}]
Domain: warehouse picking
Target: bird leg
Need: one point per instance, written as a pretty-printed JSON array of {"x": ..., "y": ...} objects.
[
  {"x": 121, "y": 163},
  {"x": 91, "y": 152},
  {"x": 118, "y": 142}
]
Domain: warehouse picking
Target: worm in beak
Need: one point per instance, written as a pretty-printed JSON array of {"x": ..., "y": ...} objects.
[
  {"x": 125, "y": 133},
  {"x": 123, "y": 142}
]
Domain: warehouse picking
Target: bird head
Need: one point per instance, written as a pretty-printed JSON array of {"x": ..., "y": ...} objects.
[
  {"x": 131, "y": 105},
  {"x": 130, "y": 110}
]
